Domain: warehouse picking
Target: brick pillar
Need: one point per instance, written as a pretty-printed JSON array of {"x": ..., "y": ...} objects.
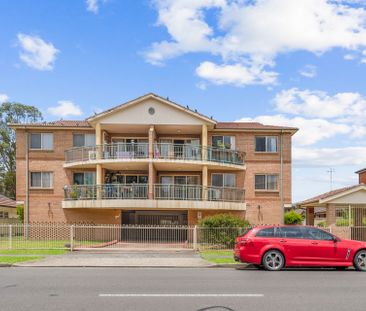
[
  {"x": 204, "y": 183},
  {"x": 310, "y": 216}
]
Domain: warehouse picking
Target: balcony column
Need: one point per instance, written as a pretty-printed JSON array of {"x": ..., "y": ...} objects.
[
  {"x": 204, "y": 183},
  {"x": 204, "y": 142},
  {"x": 99, "y": 170},
  {"x": 151, "y": 165}
]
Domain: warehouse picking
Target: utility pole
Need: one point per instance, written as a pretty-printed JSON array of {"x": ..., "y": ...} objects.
[{"x": 331, "y": 171}]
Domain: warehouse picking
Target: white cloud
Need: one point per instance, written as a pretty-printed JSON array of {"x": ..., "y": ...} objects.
[
  {"x": 37, "y": 53},
  {"x": 329, "y": 156},
  {"x": 320, "y": 104},
  {"x": 92, "y": 6},
  {"x": 65, "y": 108},
  {"x": 236, "y": 74},
  {"x": 309, "y": 71},
  {"x": 310, "y": 131},
  {"x": 247, "y": 34},
  {"x": 349, "y": 56},
  {"x": 3, "y": 98}
]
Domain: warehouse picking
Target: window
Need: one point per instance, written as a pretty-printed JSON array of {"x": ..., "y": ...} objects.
[
  {"x": 1, "y": 214},
  {"x": 180, "y": 180},
  {"x": 41, "y": 179},
  {"x": 6, "y": 215},
  {"x": 83, "y": 140},
  {"x": 266, "y": 182},
  {"x": 224, "y": 142},
  {"x": 266, "y": 144},
  {"x": 316, "y": 234},
  {"x": 292, "y": 232},
  {"x": 267, "y": 232},
  {"x": 223, "y": 180},
  {"x": 42, "y": 141},
  {"x": 84, "y": 178}
]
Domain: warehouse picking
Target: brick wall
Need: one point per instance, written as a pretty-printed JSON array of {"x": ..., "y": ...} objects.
[{"x": 362, "y": 177}]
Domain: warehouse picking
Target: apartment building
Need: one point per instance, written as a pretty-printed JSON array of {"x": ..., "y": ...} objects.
[{"x": 154, "y": 162}]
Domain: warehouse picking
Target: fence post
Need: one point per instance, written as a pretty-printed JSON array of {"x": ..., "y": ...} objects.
[
  {"x": 71, "y": 238},
  {"x": 10, "y": 236},
  {"x": 330, "y": 229},
  {"x": 195, "y": 237}
]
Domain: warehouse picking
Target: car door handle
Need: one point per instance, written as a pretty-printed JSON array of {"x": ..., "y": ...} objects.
[
  {"x": 283, "y": 241},
  {"x": 314, "y": 243}
]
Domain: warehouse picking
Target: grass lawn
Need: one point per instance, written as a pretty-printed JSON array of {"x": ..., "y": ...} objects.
[
  {"x": 32, "y": 251},
  {"x": 16, "y": 259},
  {"x": 219, "y": 257}
]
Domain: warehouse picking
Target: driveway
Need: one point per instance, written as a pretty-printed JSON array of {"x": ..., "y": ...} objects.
[{"x": 148, "y": 258}]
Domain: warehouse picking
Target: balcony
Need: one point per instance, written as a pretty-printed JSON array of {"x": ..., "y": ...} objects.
[
  {"x": 166, "y": 196},
  {"x": 162, "y": 153}
]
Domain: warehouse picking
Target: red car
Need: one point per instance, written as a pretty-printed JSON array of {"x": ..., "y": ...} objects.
[{"x": 276, "y": 247}]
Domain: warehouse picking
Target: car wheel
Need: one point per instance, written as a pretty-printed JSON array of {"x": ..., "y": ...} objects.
[
  {"x": 360, "y": 260},
  {"x": 273, "y": 260}
]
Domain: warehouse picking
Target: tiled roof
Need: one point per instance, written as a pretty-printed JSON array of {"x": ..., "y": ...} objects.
[
  {"x": 327, "y": 194},
  {"x": 361, "y": 171},
  {"x": 5, "y": 201},
  {"x": 251, "y": 125},
  {"x": 59, "y": 123}
]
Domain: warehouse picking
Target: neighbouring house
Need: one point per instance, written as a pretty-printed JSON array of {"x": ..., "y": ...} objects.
[
  {"x": 8, "y": 209},
  {"x": 343, "y": 207},
  {"x": 151, "y": 161}
]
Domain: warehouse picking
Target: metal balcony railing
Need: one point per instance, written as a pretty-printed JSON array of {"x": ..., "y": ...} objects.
[
  {"x": 106, "y": 192},
  {"x": 161, "y": 192},
  {"x": 225, "y": 194},
  {"x": 177, "y": 192},
  {"x": 108, "y": 151},
  {"x": 161, "y": 151},
  {"x": 198, "y": 153}
]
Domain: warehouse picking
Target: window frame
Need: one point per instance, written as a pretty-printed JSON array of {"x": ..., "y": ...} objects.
[
  {"x": 42, "y": 173},
  {"x": 266, "y": 137},
  {"x": 266, "y": 182},
  {"x": 233, "y": 145},
  {"x": 84, "y": 139},
  {"x": 42, "y": 141},
  {"x": 223, "y": 180}
]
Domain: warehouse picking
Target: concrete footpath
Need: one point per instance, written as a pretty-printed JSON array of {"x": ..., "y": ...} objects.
[{"x": 161, "y": 258}]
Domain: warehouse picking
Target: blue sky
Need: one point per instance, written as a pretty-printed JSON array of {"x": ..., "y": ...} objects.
[{"x": 274, "y": 61}]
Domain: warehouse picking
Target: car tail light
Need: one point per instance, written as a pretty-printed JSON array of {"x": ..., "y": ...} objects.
[{"x": 244, "y": 241}]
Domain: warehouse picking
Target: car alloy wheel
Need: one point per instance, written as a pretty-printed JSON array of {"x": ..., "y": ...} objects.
[
  {"x": 273, "y": 260},
  {"x": 360, "y": 260}
]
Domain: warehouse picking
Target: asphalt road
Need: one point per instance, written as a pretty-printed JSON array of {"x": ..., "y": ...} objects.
[{"x": 179, "y": 289}]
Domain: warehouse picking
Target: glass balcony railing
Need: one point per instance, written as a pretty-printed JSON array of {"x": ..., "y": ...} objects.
[
  {"x": 161, "y": 192},
  {"x": 167, "y": 151}
]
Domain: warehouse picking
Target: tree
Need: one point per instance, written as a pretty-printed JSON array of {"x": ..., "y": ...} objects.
[
  {"x": 20, "y": 212},
  {"x": 11, "y": 112},
  {"x": 293, "y": 218}
]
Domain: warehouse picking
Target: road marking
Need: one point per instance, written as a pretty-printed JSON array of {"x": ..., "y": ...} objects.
[{"x": 181, "y": 295}]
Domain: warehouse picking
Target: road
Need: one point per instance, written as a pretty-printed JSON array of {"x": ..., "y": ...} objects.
[{"x": 179, "y": 289}]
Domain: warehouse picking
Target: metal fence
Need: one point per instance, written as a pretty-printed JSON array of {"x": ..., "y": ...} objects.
[{"x": 82, "y": 237}]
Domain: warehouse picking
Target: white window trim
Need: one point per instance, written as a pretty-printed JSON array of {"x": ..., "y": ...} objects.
[
  {"x": 41, "y": 187},
  {"x": 42, "y": 149},
  {"x": 266, "y": 137},
  {"x": 266, "y": 183}
]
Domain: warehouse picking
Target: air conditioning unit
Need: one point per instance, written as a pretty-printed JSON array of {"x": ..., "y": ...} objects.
[{"x": 92, "y": 155}]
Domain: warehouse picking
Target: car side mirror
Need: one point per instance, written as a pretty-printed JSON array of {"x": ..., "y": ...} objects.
[{"x": 335, "y": 239}]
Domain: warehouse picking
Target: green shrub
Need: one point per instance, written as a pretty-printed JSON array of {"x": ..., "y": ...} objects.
[
  {"x": 321, "y": 224},
  {"x": 293, "y": 218},
  {"x": 220, "y": 230},
  {"x": 20, "y": 212}
]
